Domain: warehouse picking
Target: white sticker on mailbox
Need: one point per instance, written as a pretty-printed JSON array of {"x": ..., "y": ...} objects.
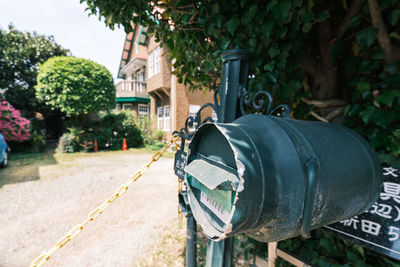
[{"x": 215, "y": 207}]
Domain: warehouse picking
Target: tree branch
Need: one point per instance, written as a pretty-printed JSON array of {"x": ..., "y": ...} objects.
[
  {"x": 353, "y": 10},
  {"x": 325, "y": 103},
  {"x": 334, "y": 113},
  {"x": 392, "y": 54},
  {"x": 318, "y": 117}
]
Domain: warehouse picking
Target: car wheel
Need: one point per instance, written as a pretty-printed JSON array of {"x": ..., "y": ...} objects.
[{"x": 5, "y": 159}]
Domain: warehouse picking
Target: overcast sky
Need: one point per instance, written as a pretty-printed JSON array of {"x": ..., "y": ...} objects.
[{"x": 70, "y": 25}]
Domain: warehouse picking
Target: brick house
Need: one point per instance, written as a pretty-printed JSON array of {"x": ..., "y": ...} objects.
[{"x": 144, "y": 64}]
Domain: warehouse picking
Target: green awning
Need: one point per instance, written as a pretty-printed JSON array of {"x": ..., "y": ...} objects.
[{"x": 132, "y": 99}]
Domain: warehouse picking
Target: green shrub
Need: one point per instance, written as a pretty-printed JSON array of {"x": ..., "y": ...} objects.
[
  {"x": 36, "y": 141},
  {"x": 113, "y": 128},
  {"x": 109, "y": 132},
  {"x": 155, "y": 146},
  {"x": 149, "y": 134},
  {"x": 68, "y": 143}
]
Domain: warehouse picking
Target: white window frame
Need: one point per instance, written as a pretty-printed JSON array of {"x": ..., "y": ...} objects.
[
  {"x": 125, "y": 105},
  {"x": 160, "y": 114},
  {"x": 157, "y": 61},
  {"x": 141, "y": 112},
  {"x": 166, "y": 118},
  {"x": 151, "y": 64}
]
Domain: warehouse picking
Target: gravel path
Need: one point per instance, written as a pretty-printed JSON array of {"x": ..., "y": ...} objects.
[{"x": 36, "y": 214}]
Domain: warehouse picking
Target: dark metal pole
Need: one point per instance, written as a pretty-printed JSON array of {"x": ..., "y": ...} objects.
[
  {"x": 235, "y": 72},
  {"x": 191, "y": 238}
]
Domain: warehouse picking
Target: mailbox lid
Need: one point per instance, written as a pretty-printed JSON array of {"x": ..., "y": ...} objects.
[
  {"x": 213, "y": 174},
  {"x": 216, "y": 175},
  {"x": 212, "y": 178}
]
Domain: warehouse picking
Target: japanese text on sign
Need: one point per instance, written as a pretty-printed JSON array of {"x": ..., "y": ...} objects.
[{"x": 379, "y": 227}]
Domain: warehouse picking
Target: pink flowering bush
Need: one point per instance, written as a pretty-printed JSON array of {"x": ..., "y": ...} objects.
[{"x": 12, "y": 125}]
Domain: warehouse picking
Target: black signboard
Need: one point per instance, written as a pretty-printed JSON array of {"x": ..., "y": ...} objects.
[
  {"x": 379, "y": 227},
  {"x": 180, "y": 163}
]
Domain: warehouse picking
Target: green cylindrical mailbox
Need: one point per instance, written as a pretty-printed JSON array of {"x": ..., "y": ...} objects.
[{"x": 276, "y": 178}]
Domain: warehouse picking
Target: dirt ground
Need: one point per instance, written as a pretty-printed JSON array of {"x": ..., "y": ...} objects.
[{"x": 54, "y": 194}]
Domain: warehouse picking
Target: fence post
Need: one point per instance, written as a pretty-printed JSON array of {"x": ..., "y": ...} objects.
[{"x": 235, "y": 73}]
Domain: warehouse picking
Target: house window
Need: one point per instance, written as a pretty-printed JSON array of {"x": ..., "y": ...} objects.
[
  {"x": 151, "y": 64},
  {"x": 143, "y": 111},
  {"x": 154, "y": 62},
  {"x": 157, "y": 61},
  {"x": 127, "y": 106},
  {"x": 193, "y": 109},
  {"x": 139, "y": 79},
  {"x": 159, "y": 117},
  {"x": 166, "y": 118}
]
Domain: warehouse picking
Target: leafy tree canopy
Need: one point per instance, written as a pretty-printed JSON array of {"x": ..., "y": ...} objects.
[
  {"x": 75, "y": 86},
  {"x": 326, "y": 58},
  {"x": 20, "y": 54}
]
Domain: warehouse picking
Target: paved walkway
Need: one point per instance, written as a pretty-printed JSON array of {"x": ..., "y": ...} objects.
[{"x": 36, "y": 214}]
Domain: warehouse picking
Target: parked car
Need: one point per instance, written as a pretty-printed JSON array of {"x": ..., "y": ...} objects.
[{"x": 4, "y": 150}]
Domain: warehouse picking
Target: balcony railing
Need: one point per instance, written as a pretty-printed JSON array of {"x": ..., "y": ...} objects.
[{"x": 131, "y": 88}]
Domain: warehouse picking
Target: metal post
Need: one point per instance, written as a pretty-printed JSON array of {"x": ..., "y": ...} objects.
[
  {"x": 235, "y": 72},
  {"x": 191, "y": 238}
]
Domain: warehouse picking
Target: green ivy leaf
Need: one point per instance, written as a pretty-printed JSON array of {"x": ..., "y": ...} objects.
[
  {"x": 215, "y": 9},
  {"x": 271, "y": 77},
  {"x": 306, "y": 27},
  {"x": 388, "y": 97},
  {"x": 393, "y": 68},
  {"x": 392, "y": 80},
  {"x": 253, "y": 42},
  {"x": 269, "y": 66},
  {"x": 267, "y": 27},
  {"x": 281, "y": 32},
  {"x": 273, "y": 51},
  {"x": 346, "y": 110},
  {"x": 271, "y": 4},
  {"x": 383, "y": 118},
  {"x": 281, "y": 10},
  {"x": 355, "y": 21},
  {"x": 366, "y": 37},
  {"x": 367, "y": 114},
  {"x": 249, "y": 14},
  {"x": 285, "y": 91},
  {"x": 308, "y": 17},
  {"x": 185, "y": 18},
  {"x": 218, "y": 20},
  {"x": 363, "y": 87},
  {"x": 323, "y": 16},
  {"x": 232, "y": 25},
  {"x": 394, "y": 17},
  {"x": 394, "y": 35}
]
